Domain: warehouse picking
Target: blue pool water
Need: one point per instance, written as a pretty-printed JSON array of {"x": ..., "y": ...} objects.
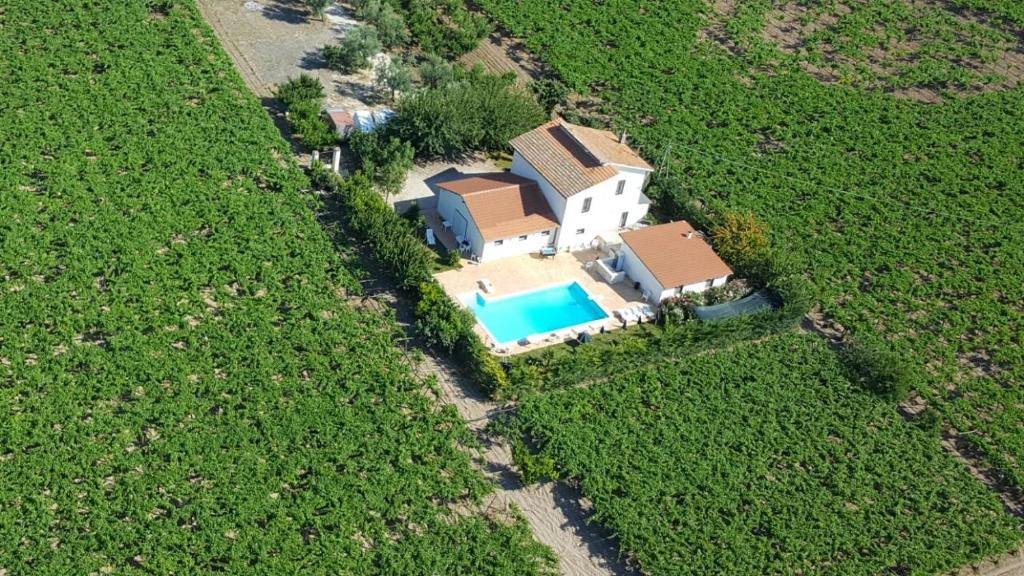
[{"x": 541, "y": 311}]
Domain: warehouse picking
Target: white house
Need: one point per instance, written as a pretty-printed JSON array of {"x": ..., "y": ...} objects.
[
  {"x": 671, "y": 259},
  {"x": 497, "y": 215},
  {"x": 589, "y": 181}
]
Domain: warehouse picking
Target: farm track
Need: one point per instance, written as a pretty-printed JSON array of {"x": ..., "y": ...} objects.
[{"x": 553, "y": 510}]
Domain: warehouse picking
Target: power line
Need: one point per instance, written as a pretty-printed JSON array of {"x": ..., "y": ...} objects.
[{"x": 860, "y": 195}]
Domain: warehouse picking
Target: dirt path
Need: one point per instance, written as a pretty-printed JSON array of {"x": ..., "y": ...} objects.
[{"x": 553, "y": 509}]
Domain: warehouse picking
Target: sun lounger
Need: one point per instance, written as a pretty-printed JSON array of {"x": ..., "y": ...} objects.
[
  {"x": 486, "y": 285},
  {"x": 627, "y": 315},
  {"x": 431, "y": 240}
]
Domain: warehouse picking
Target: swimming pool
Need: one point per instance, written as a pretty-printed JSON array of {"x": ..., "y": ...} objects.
[{"x": 511, "y": 318}]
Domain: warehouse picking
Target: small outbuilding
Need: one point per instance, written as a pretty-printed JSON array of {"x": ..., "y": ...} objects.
[
  {"x": 671, "y": 259},
  {"x": 341, "y": 121},
  {"x": 496, "y": 215}
]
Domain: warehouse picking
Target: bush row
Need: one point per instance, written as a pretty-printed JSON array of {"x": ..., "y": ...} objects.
[
  {"x": 561, "y": 366},
  {"x": 441, "y": 323},
  {"x": 303, "y": 98}
]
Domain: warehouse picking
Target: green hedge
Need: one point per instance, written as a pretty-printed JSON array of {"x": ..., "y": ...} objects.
[
  {"x": 439, "y": 321},
  {"x": 563, "y": 366},
  {"x": 394, "y": 243}
]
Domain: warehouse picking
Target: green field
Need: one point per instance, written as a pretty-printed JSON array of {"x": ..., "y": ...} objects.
[
  {"x": 185, "y": 386},
  {"x": 763, "y": 459},
  {"x": 905, "y": 217}
]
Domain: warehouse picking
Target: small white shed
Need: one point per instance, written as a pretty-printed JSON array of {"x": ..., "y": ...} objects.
[{"x": 671, "y": 259}]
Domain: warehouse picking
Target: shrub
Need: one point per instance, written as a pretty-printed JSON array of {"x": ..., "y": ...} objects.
[
  {"x": 452, "y": 258},
  {"x": 394, "y": 245},
  {"x": 484, "y": 367},
  {"x": 533, "y": 468},
  {"x": 321, "y": 177},
  {"x": 305, "y": 88},
  {"x": 874, "y": 364},
  {"x": 310, "y": 126},
  {"x": 303, "y": 97},
  {"x": 929, "y": 420},
  {"x": 741, "y": 239},
  {"x": 675, "y": 310},
  {"x": 353, "y": 52},
  {"x": 317, "y": 7},
  {"x": 551, "y": 93}
]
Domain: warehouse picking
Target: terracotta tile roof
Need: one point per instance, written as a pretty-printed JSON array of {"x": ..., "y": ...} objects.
[
  {"x": 573, "y": 158},
  {"x": 503, "y": 205},
  {"x": 604, "y": 145},
  {"x": 339, "y": 118},
  {"x": 674, "y": 259},
  {"x": 560, "y": 159}
]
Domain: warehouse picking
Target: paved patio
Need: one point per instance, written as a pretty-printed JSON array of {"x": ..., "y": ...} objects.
[{"x": 522, "y": 273}]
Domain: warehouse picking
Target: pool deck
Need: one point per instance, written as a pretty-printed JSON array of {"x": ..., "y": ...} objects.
[{"x": 530, "y": 272}]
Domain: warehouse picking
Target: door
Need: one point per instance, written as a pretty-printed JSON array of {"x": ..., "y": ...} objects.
[{"x": 623, "y": 219}]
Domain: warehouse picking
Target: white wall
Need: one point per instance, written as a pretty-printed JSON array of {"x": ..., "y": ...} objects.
[
  {"x": 637, "y": 272},
  {"x": 606, "y": 209},
  {"x": 520, "y": 167},
  {"x": 449, "y": 205},
  {"x": 514, "y": 246}
]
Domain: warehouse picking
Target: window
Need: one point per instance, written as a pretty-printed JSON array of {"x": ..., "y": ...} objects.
[
  {"x": 620, "y": 187},
  {"x": 546, "y": 233},
  {"x": 499, "y": 242},
  {"x": 708, "y": 283},
  {"x": 586, "y": 204},
  {"x": 580, "y": 231},
  {"x": 522, "y": 238},
  {"x": 623, "y": 219}
]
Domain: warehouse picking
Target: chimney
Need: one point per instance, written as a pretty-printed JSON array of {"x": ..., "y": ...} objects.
[
  {"x": 622, "y": 136},
  {"x": 689, "y": 235}
]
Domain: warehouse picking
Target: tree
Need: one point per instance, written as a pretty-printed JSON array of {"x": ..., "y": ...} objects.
[
  {"x": 396, "y": 161},
  {"x": 317, "y": 7},
  {"x": 393, "y": 76},
  {"x": 474, "y": 113},
  {"x": 353, "y": 52},
  {"x": 385, "y": 161},
  {"x": 390, "y": 24},
  {"x": 741, "y": 239},
  {"x": 435, "y": 72}
]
